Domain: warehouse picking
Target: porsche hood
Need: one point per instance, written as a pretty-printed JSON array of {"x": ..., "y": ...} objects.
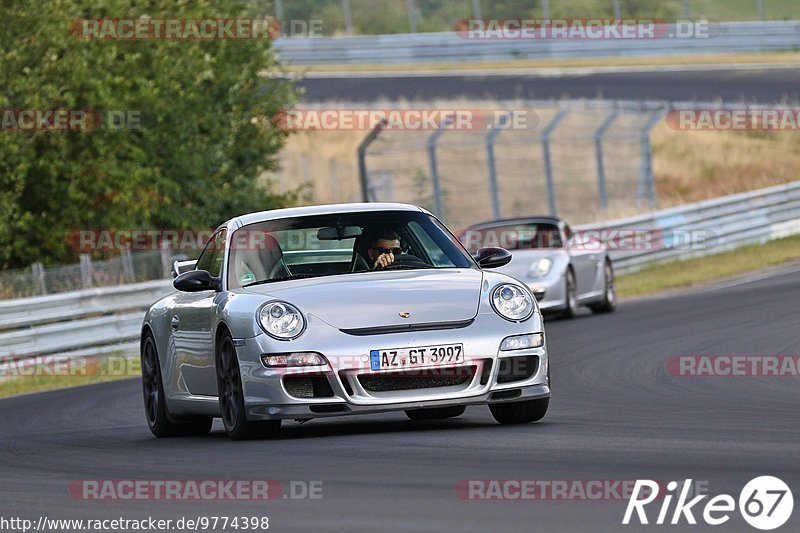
[{"x": 374, "y": 299}]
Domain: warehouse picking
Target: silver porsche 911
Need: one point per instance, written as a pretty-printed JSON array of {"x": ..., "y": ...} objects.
[
  {"x": 337, "y": 310},
  {"x": 564, "y": 269}
]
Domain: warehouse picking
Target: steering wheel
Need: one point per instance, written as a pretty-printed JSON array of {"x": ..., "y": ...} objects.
[{"x": 406, "y": 261}]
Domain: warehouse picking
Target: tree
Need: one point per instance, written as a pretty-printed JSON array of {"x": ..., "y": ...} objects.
[{"x": 193, "y": 161}]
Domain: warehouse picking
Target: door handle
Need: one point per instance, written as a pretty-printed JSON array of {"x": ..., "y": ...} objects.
[{"x": 175, "y": 321}]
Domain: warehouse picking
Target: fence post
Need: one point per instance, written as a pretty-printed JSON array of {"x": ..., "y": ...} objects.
[
  {"x": 545, "y": 9},
  {"x": 279, "y": 13},
  {"x": 548, "y": 165},
  {"x": 647, "y": 186},
  {"x": 490, "y": 161},
  {"x": 598, "y": 151},
  {"x": 347, "y": 13},
  {"x": 37, "y": 271},
  {"x": 762, "y": 15},
  {"x": 166, "y": 259},
  {"x": 412, "y": 16},
  {"x": 86, "y": 271},
  {"x": 127, "y": 265},
  {"x": 334, "y": 181},
  {"x": 617, "y": 12},
  {"x": 686, "y": 9},
  {"x": 476, "y": 9},
  {"x": 362, "y": 158},
  {"x": 438, "y": 203}
]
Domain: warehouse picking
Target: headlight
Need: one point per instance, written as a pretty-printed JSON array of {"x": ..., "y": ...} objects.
[
  {"x": 512, "y": 302},
  {"x": 540, "y": 268},
  {"x": 281, "y": 320},
  {"x": 294, "y": 359},
  {"x": 521, "y": 342}
]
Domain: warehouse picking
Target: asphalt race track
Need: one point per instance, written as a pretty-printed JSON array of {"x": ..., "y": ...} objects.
[
  {"x": 616, "y": 414},
  {"x": 734, "y": 85}
]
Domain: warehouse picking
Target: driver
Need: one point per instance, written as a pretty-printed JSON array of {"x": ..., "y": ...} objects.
[{"x": 383, "y": 247}]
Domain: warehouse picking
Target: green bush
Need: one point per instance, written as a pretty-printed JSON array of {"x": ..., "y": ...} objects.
[{"x": 195, "y": 160}]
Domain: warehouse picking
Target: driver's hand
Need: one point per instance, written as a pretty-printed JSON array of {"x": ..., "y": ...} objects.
[{"x": 383, "y": 261}]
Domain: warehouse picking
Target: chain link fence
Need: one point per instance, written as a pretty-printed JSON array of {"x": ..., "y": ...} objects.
[
  {"x": 581, "y": 160},
  {"x": 127, "y": 267}
]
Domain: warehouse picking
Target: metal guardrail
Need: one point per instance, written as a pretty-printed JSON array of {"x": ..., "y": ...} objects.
[
  {"x": 93, "y": 320},
  {"x": 106, "y": 320},
  {"x": 415, "y": 48},
  {"x": 708, "y": 227}
]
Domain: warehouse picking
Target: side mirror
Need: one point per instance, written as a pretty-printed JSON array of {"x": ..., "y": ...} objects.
[
  {"x": 196, "y": 281},
  {"x": 492, "y": 257}
]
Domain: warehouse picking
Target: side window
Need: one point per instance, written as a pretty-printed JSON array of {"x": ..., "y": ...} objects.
[
  {"x": 434, "y": 251},
  {"x": 213, "y": 254}
]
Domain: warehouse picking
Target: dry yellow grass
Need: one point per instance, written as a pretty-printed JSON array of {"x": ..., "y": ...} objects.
[
  {"x": 697, "y": 165},
  {"x": 688, "y": 166},
  {"x": 772, "y": 58}
]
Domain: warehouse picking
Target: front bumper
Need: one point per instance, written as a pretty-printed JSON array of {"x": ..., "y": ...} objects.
[
  {"x": 347, "y": 385},
  {"x": 340, "y": 408}
]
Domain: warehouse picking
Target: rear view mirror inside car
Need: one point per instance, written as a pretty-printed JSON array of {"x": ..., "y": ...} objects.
[{"x": 338, "y": 233}]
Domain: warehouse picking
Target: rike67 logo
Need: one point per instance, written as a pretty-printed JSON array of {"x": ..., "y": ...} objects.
[{"x": 765, "y": 503}]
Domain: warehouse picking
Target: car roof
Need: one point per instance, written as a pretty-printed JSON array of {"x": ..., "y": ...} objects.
[
  {"x": 518, "y": 220},
  {"x": 330, "y": 209}
]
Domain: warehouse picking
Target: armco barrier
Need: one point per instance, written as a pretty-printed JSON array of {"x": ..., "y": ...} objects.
[
  {"x": 723, "y": 223},
  {"x": 99, "y": 321},
  {"x": 92, "y": 320},
  {"x": 415, "y": 48}
]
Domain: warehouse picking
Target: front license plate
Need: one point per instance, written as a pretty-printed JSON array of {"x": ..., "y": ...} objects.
[{"x": 416, "y": 357}]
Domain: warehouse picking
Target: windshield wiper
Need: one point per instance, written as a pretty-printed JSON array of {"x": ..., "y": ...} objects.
[{"x": 293, "y": 276}]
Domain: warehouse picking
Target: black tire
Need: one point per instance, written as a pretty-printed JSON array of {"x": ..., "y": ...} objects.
[
  {"x": 161, "y": 423},
  {"x": 571, "y": 297},
  {"x": 520, "y": 412},
  {"x": 436, "y": 413},
  {"x": 231, "y": 396},
  {"x": 609, "y": 302}
]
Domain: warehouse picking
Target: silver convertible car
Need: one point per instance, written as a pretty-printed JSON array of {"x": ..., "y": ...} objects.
[
  {"x": 337, "y": 310},
  {"x": 564, "y": 269}
]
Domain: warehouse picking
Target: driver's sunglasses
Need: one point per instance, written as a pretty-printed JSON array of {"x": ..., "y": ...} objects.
[{"x": 395, "y": 251}]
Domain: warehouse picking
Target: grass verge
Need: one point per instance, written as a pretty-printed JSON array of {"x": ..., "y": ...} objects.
[
  {"x": 691, "y": 272},
  {"x": 754, "y": 59}
]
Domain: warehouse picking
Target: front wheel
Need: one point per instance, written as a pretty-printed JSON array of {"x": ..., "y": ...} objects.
[
  {"x": 609, "y": 302},
  {"x": 231, "y": 397},
  {"x": 161, "y": 423},
  {"x": 435, "y": 413},
  {"x": 520, "y": 412},
  {"x": 571, "y": 297}
]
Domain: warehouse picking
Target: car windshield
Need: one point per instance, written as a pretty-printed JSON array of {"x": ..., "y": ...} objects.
[
  {"x": 519, "y": 236},
  {"x": 344, "y": 243}
]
